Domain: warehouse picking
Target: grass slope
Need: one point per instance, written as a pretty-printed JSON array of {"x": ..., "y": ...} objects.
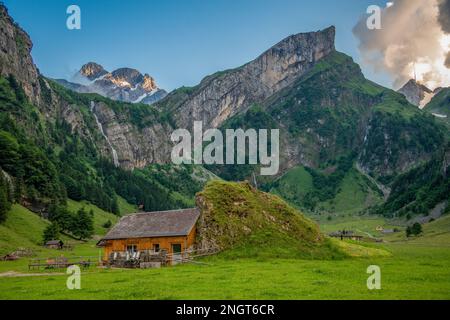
[
  {"x": 355, "y": 193},
  {"x": 440, "y": 104},
  {"x": 126, "y": 208},
  {"x": 100, "y": 216},
  {"x": 22, "y": 229}
]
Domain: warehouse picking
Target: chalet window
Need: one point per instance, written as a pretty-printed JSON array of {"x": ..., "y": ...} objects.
[
  {"x": 132, "y": 249},
  {"x": 176, "y": 248},
  {"x": 156, "y": 247}
]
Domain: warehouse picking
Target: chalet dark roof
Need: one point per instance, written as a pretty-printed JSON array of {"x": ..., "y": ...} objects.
[
  {"x": 155, "y": 224},
  {"x": 53, "y": 242}
]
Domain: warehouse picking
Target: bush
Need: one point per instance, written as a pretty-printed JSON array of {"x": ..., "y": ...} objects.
[
  {"x": 414, "y": 230},
  {"x": 107, "y": 224}
]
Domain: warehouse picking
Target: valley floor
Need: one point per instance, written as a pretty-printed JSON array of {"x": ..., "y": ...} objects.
[
  {"x": 414, "y": 271},
  {"x": 417, "y": 268}
]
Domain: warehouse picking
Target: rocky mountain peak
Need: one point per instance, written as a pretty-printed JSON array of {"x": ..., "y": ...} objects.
[
  {"x": 92, "y": 71},
  {"x": 149, "y": 84},
  {"x": 416, "y": 93},
  {"x": 123, "y": 84},
  {"x": 222, "y": 95},
  {"x": 126, "y": 77}
]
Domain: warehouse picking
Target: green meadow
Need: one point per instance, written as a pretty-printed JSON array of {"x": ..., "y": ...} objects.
[{"x": 416, "y": 268}]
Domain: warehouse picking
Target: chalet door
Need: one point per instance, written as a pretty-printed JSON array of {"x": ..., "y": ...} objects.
[{"x": 176, "y": 253}]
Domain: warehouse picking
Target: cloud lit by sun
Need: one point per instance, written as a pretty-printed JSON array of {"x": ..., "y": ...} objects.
[
  {"x": 432, "y": 73},
  {"x": 414, "y": 42}
]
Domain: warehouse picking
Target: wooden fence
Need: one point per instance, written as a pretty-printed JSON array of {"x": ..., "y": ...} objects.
[
  {"x": 152, "y": 258},
  {"x": 62, "y": 262}
]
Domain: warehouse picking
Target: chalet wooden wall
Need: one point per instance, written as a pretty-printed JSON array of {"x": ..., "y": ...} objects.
[{"x": 147, "y": 243}]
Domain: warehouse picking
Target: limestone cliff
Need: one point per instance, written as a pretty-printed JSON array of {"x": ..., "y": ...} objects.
[
  {"x": 224, "y": 94},
  {"x": 15, "y": 57}
]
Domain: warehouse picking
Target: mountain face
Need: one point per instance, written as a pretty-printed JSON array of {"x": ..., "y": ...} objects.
[
  {"x": 416, "y": 93},
  {"x": 217, "y": 98},
  {"x": 330, "y": 118},
  {"x": 54, "y": 146},
  {"x": 224, "y": 94},
  {"x": 15, "y": 58},
  {"x": 124, "y": 84},
  {"x": 332, "y": 121}
]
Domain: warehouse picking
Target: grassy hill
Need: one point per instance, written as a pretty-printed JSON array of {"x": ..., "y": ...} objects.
[
  {"x": 354, "y": 193},
  {"x": 24, "y": 229},
  {"x": 440, "y": 105},
  {"x": 100, "y": 216},
  {"x": 244, "y": 222}
]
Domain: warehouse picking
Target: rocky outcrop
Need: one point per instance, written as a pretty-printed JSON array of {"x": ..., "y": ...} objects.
[
  {"x": 222, "y": 95},
  {"x": 136, "y": 148},
  {"x": 16, "y": 60},
  {"x": 416, "y": 93},
  {"x": 15, "y": 57}
]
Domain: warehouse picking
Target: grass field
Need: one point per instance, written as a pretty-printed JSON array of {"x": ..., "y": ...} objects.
[
  {"x": 364, "y": 225},
  {"x": 411, "y": 273},
  {"x": 416, "y": 268}
]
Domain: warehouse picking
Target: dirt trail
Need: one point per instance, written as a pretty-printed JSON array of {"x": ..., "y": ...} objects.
[{"x": 14, "y": 274}]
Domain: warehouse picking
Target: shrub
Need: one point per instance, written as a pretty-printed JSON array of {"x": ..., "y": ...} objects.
[
  {"x": 107, "y": 224},
  {"x": 414, "y": 230}
]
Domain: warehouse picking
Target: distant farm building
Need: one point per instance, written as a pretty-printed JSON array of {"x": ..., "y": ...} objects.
[
  {"x": 54, "y": 244},
  {"x": 346, "y": 235},
  {"x": 150, "y": 239}
]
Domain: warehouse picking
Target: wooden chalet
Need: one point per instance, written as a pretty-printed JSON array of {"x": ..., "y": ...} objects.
[
  {"x": 54, "y": 244},
  {"x": 150, "y": 237}
]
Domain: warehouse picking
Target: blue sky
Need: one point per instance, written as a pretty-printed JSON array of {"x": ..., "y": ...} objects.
[{"x": 178, "y": 41}]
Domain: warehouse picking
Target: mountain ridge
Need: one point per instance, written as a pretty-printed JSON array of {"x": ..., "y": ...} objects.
[{"x": 331, "y": 118}]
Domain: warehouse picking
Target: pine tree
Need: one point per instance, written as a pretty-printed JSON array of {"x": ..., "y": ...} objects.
[
  {"x": 5, "y": 203},
  {"x": 115, "y": 206},
  {"x": 83, "y": 226},
  {"x": 416, "y": 229},
  {"x": 51, "y": 233}
]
